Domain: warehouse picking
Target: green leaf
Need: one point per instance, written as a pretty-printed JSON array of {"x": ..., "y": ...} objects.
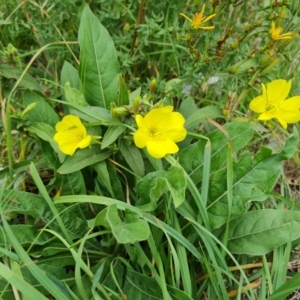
[
  {"x": 35, "y": 206},
  {"x": 46, "y": 133},
  {"x": 286, "y": 289},
  {"x": 112, "y": 133},
  {"x": 82, "y": 159},
  {"x": 53, "y": 289},
  {"x": 72, "y": 184},
  {"x": 192, "y": 157},
  {"x": 42, "y": 112},
  {"x": 123, "y": 97},
  {"x": 132, "y": 230},
  {"x": 259, "y": 232},
  {"x": 70, "y": 74},
  {"x": 200, "y": 115},
  {"x": 108, "y": 180},
  {"x": 139, "y": 286},
  {"x": 254, "y": 179},
  {"x": 99, "y": 68},
  {"x": 92, "y": 114},
  {"x": 27, "y": 81},
  {"x": 155, "y": 184},
  {"x": 19, "y": 283},
  {"x": 27, "y": 235},
  {"x": 74, "y": 96},
  {"x": 133, "y": 157},
  {"x": 172, "y": 84}
]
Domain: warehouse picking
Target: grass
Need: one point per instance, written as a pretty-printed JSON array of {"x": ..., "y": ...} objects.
[{"x": 112, "y": 222}]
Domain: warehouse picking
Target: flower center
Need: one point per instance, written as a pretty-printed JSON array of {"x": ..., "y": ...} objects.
[
  {"x": 272, "y": 108},
  {"x": 155, "y": 132},
  {"x": 197, "y": 19},
  {"x": 74, "y": 133}
]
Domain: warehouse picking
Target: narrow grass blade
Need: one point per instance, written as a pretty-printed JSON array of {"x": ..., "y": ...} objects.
[{"x": 24, "y": 287}]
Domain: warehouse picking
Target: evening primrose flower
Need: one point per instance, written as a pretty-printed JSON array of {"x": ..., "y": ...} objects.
[
  {"x": 159, "y": 130},
  {"x": 71, "y": 134},
  {"x": 276, "y": 35},
  {"x": 199, "y": 19},
  {"x": 272, "y": 104}
]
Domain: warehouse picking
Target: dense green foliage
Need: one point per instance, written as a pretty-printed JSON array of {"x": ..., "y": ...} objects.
[{"x": 216, "y": 218}]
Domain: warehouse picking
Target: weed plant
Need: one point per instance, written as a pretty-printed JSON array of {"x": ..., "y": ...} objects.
[{"x": 150, "y": 149}]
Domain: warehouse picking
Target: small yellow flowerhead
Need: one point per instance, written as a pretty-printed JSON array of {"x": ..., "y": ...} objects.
[
  {"x": 199, "y": 19},
  {"x": 71, "y": 134},
  {"x": 276, "y": 35},
  {"x": 159, "y": 130},
  {"x": 272, "y": 104}
]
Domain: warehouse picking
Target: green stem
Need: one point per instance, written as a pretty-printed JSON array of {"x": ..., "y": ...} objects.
[{"x": 9, "y": 142}]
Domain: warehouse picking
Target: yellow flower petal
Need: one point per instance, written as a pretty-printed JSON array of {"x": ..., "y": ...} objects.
[
  {"x": 292, "y": 103},
  {"x": 141, "y": 138},
  {"x": 66, "y": 146},
  {"x": 158, "y": 115},
  {"x": 266, "y": 116},
  {"x": 85, "y": 142},
  {"x": 258, "y": 104},
  {"x": 282, "y": 123},
  {"x": 159, "y": 130},
  {"x": 278, "y": 90},
  {"x": 71, "y": 134},
  {"x": 160, "y": 148}
]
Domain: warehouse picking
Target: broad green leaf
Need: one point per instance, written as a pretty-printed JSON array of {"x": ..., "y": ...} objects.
[
  {"x": 92, "y": 114},
  {"x": 259, "y": 232},
  {"x": 82, "y": 159},
  {"x": 123, "y": 97},
  {"x": 133, "y": 229},
  {"x": 140, "y": 286},
  {"x": 187, "y": 107},
  {"x": 72, "y": 184},
  {"x": 134, "y": 94},
  {"x": 99, "y": 68},
  {"x": 155, "y": 184},
  {"x": 27, "y": 235},
  {"x": 22, "y": 166},
  {"x": 27, "y": 81},
  {"x": 56, "y": 272},
  {"x": 108, "y": 180},
  {"x": 51, "y": 286},
  {"x": 74, "y": 96},
  {"x": 200, "y": 115},
  {"x": 133, "y": 157},
  {"x": 172, "y": 84},
  {"x": 254, "y": 179},
  {"x": 42, "y": 112},
  {"x": 70, "y": 74},
  {"x": 112, "y": 133},
  {"x": 46, "y": 133},
  {"x": 192, "y": 157},
  {"x": 122, "y": 205},
  {"x": 35, "y": 206}
]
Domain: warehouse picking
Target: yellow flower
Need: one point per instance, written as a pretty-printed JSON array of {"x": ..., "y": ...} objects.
[
  {"x": 199, "y": 19},
  {"x": 272, "y": 104},
  {"x": 71, "y": 134},
  {"x": 159, "y": 130},
  {"x": 276, "y": 35}
]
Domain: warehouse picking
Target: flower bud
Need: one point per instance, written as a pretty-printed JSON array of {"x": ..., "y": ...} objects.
[
  {"x": 153, "y": 86},
  {"x": 120, "y": 111},
  {"x": 28, "y": 108},
  {"x": 234, "y": 45},
  {"x": 233, "y": 70},
  {"x": 136, "y": 104}
]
